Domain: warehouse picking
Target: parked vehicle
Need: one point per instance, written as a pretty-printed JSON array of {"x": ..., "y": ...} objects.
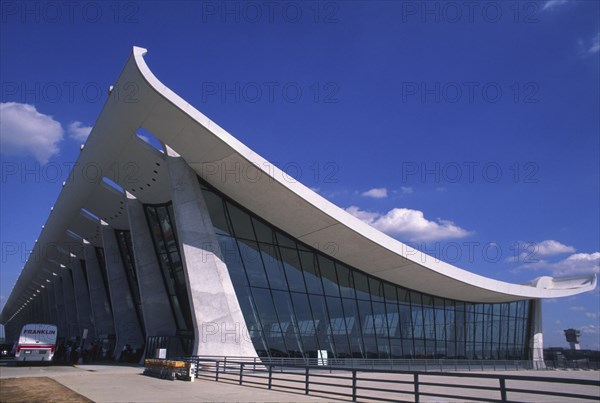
[{"x": 36, "y": 343}]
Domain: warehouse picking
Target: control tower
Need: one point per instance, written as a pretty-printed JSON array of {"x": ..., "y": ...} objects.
[{"x": 572, "y": 336}]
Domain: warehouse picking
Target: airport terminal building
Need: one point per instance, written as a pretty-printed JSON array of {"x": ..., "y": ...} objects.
[{"x": 206, "y": 248}]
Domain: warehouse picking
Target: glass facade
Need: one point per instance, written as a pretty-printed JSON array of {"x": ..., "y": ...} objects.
[
  {"x": 296, "y": 301},
  {"x": 164, "y": 235},
  {"x": 126, "y": 251}
]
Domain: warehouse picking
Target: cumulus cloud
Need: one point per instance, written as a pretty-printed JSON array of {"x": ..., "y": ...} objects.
[
  {"x": 577, "y": 308},
  {"x": 406, "y": 190},
  {"x": 551, "y": 4},
  {"x": 77, "y": 131},
  {"x": 376, "y": 193},
  {"x": 410, "y": 224},
  {"x": 575, "y": 264},
  {"x": 531, "y": 252},
  {"x": 551, "y": 247},
  {"x": 592, "y": 315},
  {"x": 26, "y": 132}
]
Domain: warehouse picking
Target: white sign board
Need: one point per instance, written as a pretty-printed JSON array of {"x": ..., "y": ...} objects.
[{"x": 161, "y": 353}]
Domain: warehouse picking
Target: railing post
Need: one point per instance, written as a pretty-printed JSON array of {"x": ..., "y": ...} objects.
[
  {"x": 241, "y": 372},
  {"x": 217, "y": 375},
  {"x": 225, "y": 364},
  {"x": 416, "y": 386},
  {"x": 353, "y": 385},
  {"x": 270, "y": 376},
  {"x": 502, "y": 389},
  {"x": 306, "y": 380}
]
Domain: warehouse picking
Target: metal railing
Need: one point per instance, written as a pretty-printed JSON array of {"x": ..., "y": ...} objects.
[
  {"x": 391, "y": 364},
  {"x": 378, "y": 384}
]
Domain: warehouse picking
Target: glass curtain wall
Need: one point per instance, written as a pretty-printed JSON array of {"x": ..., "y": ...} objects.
[{"x": 296, "y": 301}]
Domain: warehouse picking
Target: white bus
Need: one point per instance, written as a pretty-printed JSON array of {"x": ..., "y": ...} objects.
[{"x": 37, "y": 342}]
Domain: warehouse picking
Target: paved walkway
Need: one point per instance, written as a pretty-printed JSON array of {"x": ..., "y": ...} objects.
[
  {"x": 103, "y": 383},
  {"x": 115, "y": 383}
]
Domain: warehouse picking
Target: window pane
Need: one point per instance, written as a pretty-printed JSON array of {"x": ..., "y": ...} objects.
[
  {"x": 293, "y": 271},
  {"x": 321, "y": 318},
  {"x": 353, "y": 326},
  {"x": 253, "y": 263},
  {"x": 273, "y": 266},
  {"x": 233, "y": 260},
  {"x": 311, "y": 272},
  {"x": 285, "y": 311},
  {"x": 264, "y": 233},
  {"x": 242, "y": 226},
  {"x": 305, "y": 323},
  {"x": 346, "y": 281},
  {"x": 329, "y": 276},
  {"x": 338, "y": 327},
  {"x": 216, "y": 210},
  {"x": 270, "y": 322}
]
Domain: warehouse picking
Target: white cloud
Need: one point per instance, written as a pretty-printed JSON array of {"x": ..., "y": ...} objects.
[
  {"x": 406, "y": 190},
  {"x": 410, "y": 224},
  {"x": 575, "y": 264},
  {"x": 592, "y": 315},
  {"x": 595, "y": 45},
  {"x": 79, "y": 132},
  {"x": 440, "y": 189},
  {"x": 550, "y": 4},
  {"x": 25, "y": 131},
  {"x": 376, "y": 193},
  {"x": 591, "y": 329},
  {"x": 551, "y": 247},
  {"x": 557, "y": 322},
  {"x": 577, "y": 308}
]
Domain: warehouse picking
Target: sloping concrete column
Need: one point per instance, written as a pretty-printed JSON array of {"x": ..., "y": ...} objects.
[
  {"x": 82, "y": 297},
  {"x": 61, "y": 322},
  {"x": 218, "y": 320},
  {"x": 103, "y": 318},
  {"x": 52, "y": 302},
  {"x": 70, "y": 304},
  {"x": 156, "y": 308},
  {"x": 537, "y": 336},
  {"x": 127, "y": 325}
]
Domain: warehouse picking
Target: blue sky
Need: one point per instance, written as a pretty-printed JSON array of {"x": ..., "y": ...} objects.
[{"x": 469, "y": 130}]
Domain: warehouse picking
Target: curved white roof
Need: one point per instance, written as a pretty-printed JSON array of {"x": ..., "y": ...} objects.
[{"x": 139, "y": 99}]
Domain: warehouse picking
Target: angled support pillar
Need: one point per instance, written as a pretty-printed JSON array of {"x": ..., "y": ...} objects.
[
  {"x": 156, "y": 308},
  {"x": 60, "y": 307},
  {"x": 82, "y": 298},
  {"x": 52, "y": 302},
  {"x": 537, "y": 336},
  {"x": 127, "y": 325},
  {"x": 103, "y": 318},
  {"x": 72, "y": 321},
  {"x": 216, "y": 312}
]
